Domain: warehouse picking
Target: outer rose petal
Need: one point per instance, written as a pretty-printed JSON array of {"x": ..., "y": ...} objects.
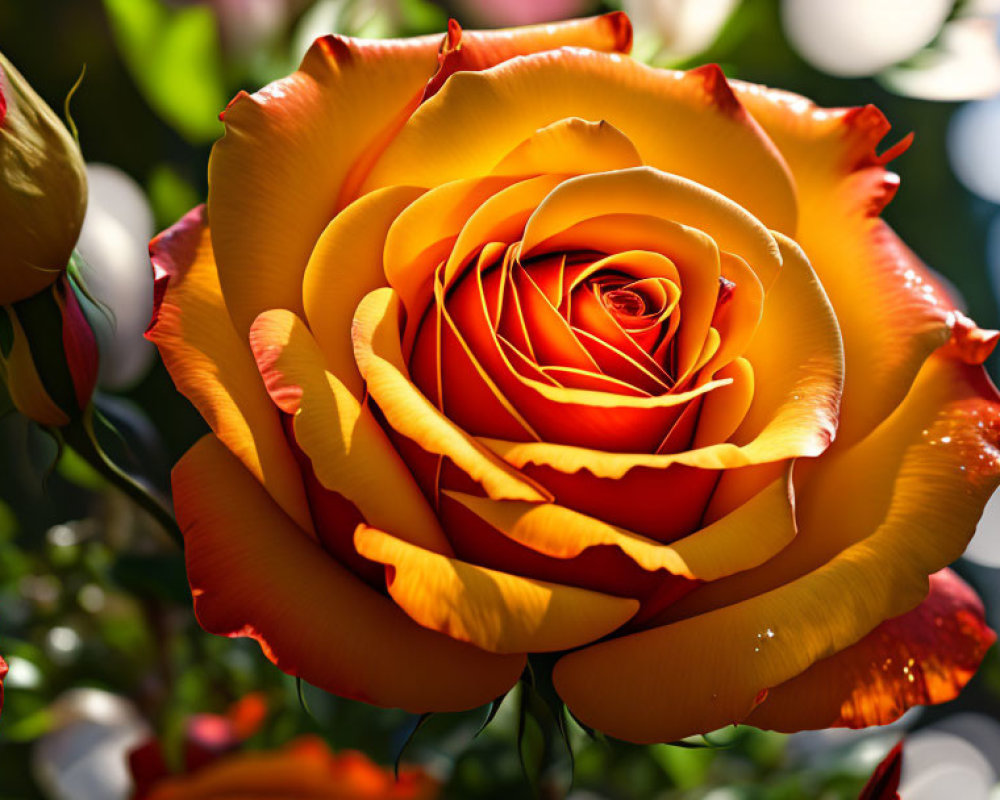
[
  {"x": 478, "y": 50},
  {"x": 708, "y": 128},
  {"x": 277, "y": 176},
  {"x": 254, "y": 573},
  {"x": 289, "y": 162},
  {"x": 212, "y": 366},
  {"x": 891, "y": 309},
  {"x": 636, "y": 688},
  {"x": 923, "y": 657},
  {"x": 3, "y": 674}
]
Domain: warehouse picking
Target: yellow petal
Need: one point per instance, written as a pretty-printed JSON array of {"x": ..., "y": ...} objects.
[
  {"x": 741, "y": 540},
  {"x": 213, "y": 367},
  {"x": 422, "y": 236},
  {"x": 283, "y": 168},
  {"x": 350, "y": 453},
  {"x": 345, "y": 265},
  {"x": 923, "y": 657},
  {"x": 570, "y": 146},
  {"x": 893, "y": 312},
  {"x": 689, "y": 124},
  {"x": 496, "y": 611},
  {"x": 646, "y": 191}
]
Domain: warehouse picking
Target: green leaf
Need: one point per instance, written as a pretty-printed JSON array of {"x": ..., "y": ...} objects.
[{"x": 175, "y": 59}]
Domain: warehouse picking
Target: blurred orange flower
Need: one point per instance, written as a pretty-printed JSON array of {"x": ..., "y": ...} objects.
[
  {"x": 510, "y": 344},
  {"x": 306, "y": 768}
]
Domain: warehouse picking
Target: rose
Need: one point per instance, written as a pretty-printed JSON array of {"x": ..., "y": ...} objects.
[
  {"x": 43, "y": 190},
  {"x": 518, "y": 356}
]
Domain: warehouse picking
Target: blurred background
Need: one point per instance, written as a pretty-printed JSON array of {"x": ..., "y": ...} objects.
[{"x": 95, "y": 612}]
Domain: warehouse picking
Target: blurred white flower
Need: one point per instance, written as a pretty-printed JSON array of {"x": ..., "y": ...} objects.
[
  {"x": 861, "y": 37},
  {"x": 964, "y": 65},
  {"x": 937, "y": 764},
  {"x": 984, "y": 548},
  {"x": 674, "y": 30},
  {"x": 84, "y": 756},
  {"x": 974, "y": 147},
  {"x": 911, "y": 46},
  {"x": 113, "y": 243}
]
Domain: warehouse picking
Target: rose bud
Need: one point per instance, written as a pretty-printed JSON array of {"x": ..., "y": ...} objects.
[
  {"x": 515, "y": 348},
  {"x": 48, "y": 355},
  {"x": 43, "y": 190}
]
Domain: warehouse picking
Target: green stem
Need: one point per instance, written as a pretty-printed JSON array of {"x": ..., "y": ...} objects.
[{"x": 79, "y": 435}]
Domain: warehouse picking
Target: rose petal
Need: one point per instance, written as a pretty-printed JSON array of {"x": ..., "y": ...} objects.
[
  {"x": 679, "y": 122},
  {"x": 497, "y": 611},
  {"x": 923, "y": 657},
  {"x": 344, "y": 266},
  {"x": 349, "y": 452},
  {"x": 408, "y": 411},
  {"x": 478, "y": 50},
  {"x": 570, "y": 146},
  {"x": 212, "y": 366},
  {"x": 278, "y": 175},
  {"x": 743, "y": 539},
  {"x": 892, "y": 309},
  {"x": 254, "y": 573}
]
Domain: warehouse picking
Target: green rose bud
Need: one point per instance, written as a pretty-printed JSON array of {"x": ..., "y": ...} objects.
[{"x": 43, "y": 190}]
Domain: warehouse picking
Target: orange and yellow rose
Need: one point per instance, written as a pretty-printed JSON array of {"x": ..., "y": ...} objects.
[{"x": 511, "y": 344}]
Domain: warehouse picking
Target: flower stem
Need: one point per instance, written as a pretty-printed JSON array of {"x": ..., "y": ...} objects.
[{"x": 80, "y": 435}]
